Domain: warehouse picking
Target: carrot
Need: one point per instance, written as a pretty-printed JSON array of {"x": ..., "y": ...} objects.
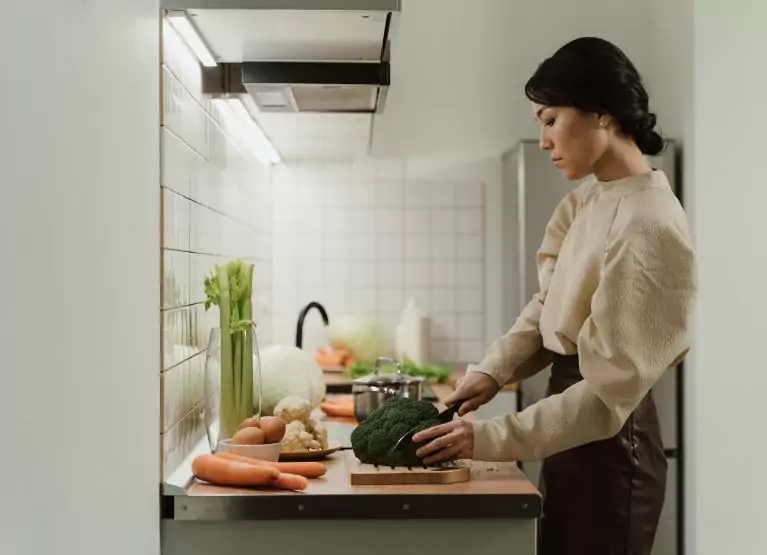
[
  {"x": 306, "y": 469},
  {"x": 332, "y": 357},
  {"x": 292, "y": 482},
  {"x": 221, "y": 472},
  {"x": 340, "y": 399},
  {"x": 345, "y": 410}
]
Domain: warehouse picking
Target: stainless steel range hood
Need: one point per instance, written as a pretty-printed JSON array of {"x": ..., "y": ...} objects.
[
  {"x": 325, "y": 87},
  {"x": 298, "y": 56}
]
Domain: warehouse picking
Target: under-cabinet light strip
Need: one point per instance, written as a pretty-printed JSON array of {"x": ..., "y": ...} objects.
[
  {"x": 255, "y": 138},
  {"x": 184, "y": 27}
]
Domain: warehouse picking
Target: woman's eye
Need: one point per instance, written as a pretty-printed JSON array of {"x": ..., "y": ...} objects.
[{"x": 550, "y": 122}]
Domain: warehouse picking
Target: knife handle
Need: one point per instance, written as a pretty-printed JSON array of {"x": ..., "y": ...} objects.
[{"x": 447, "y": 414}]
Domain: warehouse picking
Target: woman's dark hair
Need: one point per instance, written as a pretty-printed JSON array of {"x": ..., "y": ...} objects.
[{"x": 593, "y": 75}]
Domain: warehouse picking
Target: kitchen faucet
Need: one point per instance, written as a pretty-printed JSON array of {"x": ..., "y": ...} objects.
[{"x": 302, "y": 316}]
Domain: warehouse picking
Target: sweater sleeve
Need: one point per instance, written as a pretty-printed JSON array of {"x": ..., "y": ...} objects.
[
  {"x": 637, "y": 329},
  {"x": 519, "y": 353}
]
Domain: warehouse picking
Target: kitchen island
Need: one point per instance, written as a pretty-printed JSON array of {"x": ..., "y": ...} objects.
[{"x": 495, "y": 512}]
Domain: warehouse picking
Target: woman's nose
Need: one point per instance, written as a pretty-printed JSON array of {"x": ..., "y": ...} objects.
[{"x": 544, "y": 142}]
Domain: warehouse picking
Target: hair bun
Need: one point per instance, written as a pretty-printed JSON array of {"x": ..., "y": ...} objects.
[
  {"x": 649, "y": 141},
  {"x": 649, "y": 121}
]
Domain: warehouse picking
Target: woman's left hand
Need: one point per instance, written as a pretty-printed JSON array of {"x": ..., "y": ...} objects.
[{"x": 447, "y": 442}]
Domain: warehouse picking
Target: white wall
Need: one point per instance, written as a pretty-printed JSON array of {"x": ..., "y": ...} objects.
[
  {"x": 672, "y": 93},
  {"x": 79, "y": 209},
  {"x": 670, "y": 81},
  {"x": 729, "y": 383},
  {"x": 459, "y": 68},
  {"x": 710, "y": 97}
]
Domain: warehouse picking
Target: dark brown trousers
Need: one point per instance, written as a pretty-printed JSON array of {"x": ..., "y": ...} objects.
[{"x": 606, "y": 497}]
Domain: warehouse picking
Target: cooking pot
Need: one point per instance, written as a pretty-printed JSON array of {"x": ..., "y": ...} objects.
[{"x": 371, "y": 391}]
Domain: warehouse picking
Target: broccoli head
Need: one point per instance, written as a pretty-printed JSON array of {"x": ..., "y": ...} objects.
[{"x": 378, "y": 433}]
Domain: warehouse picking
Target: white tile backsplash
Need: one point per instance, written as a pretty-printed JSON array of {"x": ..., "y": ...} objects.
[
  {"x": 470, "y": 274},
  {"x": 470, "y": 247},
  {"x": 471, "y": 326},
  {"x": 364, "y": 301},
  {"x": 337, "y": 247},
  {"x": 338, "y": 273},
  {"x": 418, "y": 194},
  {"x": 362, "y": 194},
  {"x": 390, "y": 194},
  {"x": 442, "y": 222},
  {"x": 176, "y": 230},
  {"x": 417, "y": 273},
  {"x": 390, "y": 300},
  {"x": 442, "y": 273},
  {"x": 443, "y": 247},
  {"x": 391, "y": 239},
  {"x": 175, "y": 156},
  {"x": 390, "y": 273},
  {"x": 467, "y": 195},
  {"x": 390, "y": 221},
  {"x": 444, "y": 350},
  {"x": 470, "y": 350},
  {"x": 471, "y": 301},
  {"x": 417, "y": 221},
  {"x": 470, "y": 221},
  {"x": 362, "y": 247},
  {"x": 442, "y": 195},
  {"x": 443, "y": 300},
  {"x": 389, "y": 247},
  {"x": 422, "y": 296},
  {"x": 217, "y": 206},
  {"x": 176, "y": 279},
  {"x": 418, "y": 247},
  {"x": 364, "y": 273}
]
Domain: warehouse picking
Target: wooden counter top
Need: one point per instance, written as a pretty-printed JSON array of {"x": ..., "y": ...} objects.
[{"x": 496, "y": 490}]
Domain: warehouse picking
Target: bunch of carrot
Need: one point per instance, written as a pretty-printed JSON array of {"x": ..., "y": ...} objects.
[
  {"x": 330, "y": 357},
  {"x": 229, "y": 469}
]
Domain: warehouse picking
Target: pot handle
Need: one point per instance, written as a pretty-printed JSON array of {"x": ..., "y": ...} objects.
[{"x": 380, "y": 360}]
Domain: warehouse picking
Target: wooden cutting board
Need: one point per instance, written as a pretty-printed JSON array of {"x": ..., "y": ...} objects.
[{"x": 370, "y": 475}]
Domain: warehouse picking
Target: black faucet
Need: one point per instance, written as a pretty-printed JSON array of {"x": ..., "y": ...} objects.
[{"x": 302, "y": 316}]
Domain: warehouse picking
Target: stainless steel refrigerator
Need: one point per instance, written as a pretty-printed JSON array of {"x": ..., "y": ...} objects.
[{"x": 532, "y": 188}]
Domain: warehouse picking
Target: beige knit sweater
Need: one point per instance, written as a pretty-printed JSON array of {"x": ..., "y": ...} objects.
[{"x": 617, "y": 285}]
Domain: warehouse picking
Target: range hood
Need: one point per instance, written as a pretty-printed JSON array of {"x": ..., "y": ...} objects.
[
  {"x": 324, "y": 87},
  {"x": 298, "y": 56}
]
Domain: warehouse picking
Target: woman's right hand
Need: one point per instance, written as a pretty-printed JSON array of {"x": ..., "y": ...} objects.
[{"x": 474, "y": 389}]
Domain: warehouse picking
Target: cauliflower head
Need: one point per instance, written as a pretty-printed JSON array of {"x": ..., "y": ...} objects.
[
  {"x": 298, "y": 439},
  {"x": 292, "y": 409},
  {"x": 319, "y": 432}
]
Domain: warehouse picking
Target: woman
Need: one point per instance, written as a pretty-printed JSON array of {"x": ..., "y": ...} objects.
[{"x": 617, "y": 283}]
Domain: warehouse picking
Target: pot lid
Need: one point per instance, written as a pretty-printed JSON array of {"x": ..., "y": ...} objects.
[
  {"x": 387, "y": 379},
  {"x": 376, "y": 378}
]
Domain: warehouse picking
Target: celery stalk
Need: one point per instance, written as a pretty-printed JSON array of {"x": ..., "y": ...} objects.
[
  {"x": 237, "y": 358},
  {"x": 228, "y": 410},
  {"x": 246, "y": 312}
]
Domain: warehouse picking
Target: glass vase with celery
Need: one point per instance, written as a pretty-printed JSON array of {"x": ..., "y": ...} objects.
[{"x": 232, "y": 369}]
